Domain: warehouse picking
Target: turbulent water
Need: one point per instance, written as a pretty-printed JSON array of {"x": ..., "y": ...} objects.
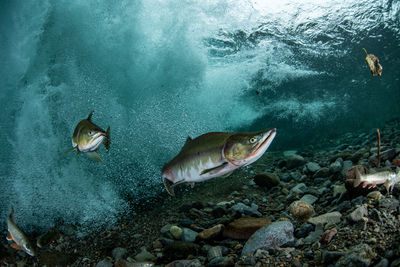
[{"x": 157, "y": 71}]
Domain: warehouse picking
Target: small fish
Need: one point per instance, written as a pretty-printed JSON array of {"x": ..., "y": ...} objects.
[
  {"x": 88, "y": 137},
  {"x": 18, "y": 236},
  {"x": 387, "y": 178},
  {"x": 215, "y": 154},
  {"x": 373, "y": 64}
]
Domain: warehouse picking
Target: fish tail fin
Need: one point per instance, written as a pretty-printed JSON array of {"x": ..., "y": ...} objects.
[
  {"x": 69, "y": 150},
  {"x": 107, "y": 140},
  {"x": 365, "y": 50},
  {"x": 168, "y": 187},
  {"x": 357, "y": 181}
]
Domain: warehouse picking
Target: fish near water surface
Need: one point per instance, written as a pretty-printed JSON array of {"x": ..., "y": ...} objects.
[
  {"x": 215, "y": 154},
  {"x": 18, "y": 236},
  {"x": 373, "y": 64},
  {"x": 88, "y": 137}
]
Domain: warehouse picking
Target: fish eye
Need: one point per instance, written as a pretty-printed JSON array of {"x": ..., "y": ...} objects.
[{"x": 253, "y": 140}]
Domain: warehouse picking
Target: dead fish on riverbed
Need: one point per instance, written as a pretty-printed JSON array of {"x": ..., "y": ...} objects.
[
  {"x": 215, "y": 154},
  {"x": 88, "y": 137},
  {"x": 18, "y": 236},
  {"x": 373, "y": 64}
]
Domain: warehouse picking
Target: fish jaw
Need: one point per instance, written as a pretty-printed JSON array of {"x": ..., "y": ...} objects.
[
  {"x": 92, "y": 144},
  {"x": 258, "y": 150}
]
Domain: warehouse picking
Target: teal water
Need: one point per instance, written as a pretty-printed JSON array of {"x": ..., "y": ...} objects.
[{"x": 158, "y": 71}]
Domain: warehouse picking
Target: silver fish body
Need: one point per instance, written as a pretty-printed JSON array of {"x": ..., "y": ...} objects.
[
  {"x": 18, "y": 236},
  {"x": 388, "y": 178}
]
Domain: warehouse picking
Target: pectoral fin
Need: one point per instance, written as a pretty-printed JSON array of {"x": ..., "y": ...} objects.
[
  {"x": 70, "y": 150},
  {"x": 15, "y": 246},
  {"x": 93, "y": 155},
  {"x": 9, "y": 237},
  {"x": 180, "y": 182},
  {"x": 215, "y": 169},
  {"x": 226, "y": 175},
  {"x": 167, "y": 185}
]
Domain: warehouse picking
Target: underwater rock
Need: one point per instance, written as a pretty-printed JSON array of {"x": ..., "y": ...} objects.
[
  {"x": 48, "y": 237},
  {"x": 301, "y": 210},
  {"x": 56, "y": 258},
  {"x": 358, "y": 214},
  {"x": 119, "y": 253},
  {"x": 244, "y": 227},
  {"x": 211, "y": 233},
  {"x": 383, "y": 263},
  {"x": 221, "y": 262},
  {"x": 180, "y": 250},
  {"x": 313, "y": 167},
  {"x": 389, "y": 204},
  {"x": 330, "y": 218},
  {"x": 165, "y": 229},
  {"x": 294, "y": 161},
  {"x": 266, "y": 179},
  {"x": 214, "y": 252},
  {"x": 185, "y": 263},
  {"x": 105, "y": 263},
  {"x": 388, "y": 154},
  {"x": 289, "y": 153},
  {"x": 396, "y": 162},
  {"x": 188, "y": 235},
  {"x": 144, "y": 255},
  {"x": 176, "y": 232},
  {"x": 336, "y": 166},
  {"x": 330, "y": 257},
  {"x": 218, "y": 211},
  {"x": 298, "y": 189},
  {"x": 338, "y": 190},
  {"x": 350, "y": 178},
  {"x": 246, "y": 210},
  {"x": 327, "y": 236},
  {"x": 304, "y": 230},
  {"x": 124, "y": 263},
  {"x": 273, "y": 235},
  {"x": 347, "y": 164},
  {"x": 375, "y": 195},
  {"x": 310, "y": 199},
  {"x": 313, "y": 237},
  {"x": 322, "y": 172},
  {"x": 359, "y": 255}
]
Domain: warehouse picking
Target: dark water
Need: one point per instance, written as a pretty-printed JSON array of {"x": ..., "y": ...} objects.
[{"x": 157, "y": 71}]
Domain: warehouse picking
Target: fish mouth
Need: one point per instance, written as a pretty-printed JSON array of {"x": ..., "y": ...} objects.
[
  {"x": 270, "y": 135},
  {"x": 97, "y": 140},
  {"x": 168, "y": 186}
]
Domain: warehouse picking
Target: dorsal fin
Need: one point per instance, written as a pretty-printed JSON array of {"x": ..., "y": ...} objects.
[
  {"x": 188, "y": 139},
  {"x": 12, "y": 211},
  {"x": 89, "y": 118}
]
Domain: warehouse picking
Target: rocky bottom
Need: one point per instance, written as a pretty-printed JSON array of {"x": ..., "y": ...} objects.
[{"x": 291, "y": 208}]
